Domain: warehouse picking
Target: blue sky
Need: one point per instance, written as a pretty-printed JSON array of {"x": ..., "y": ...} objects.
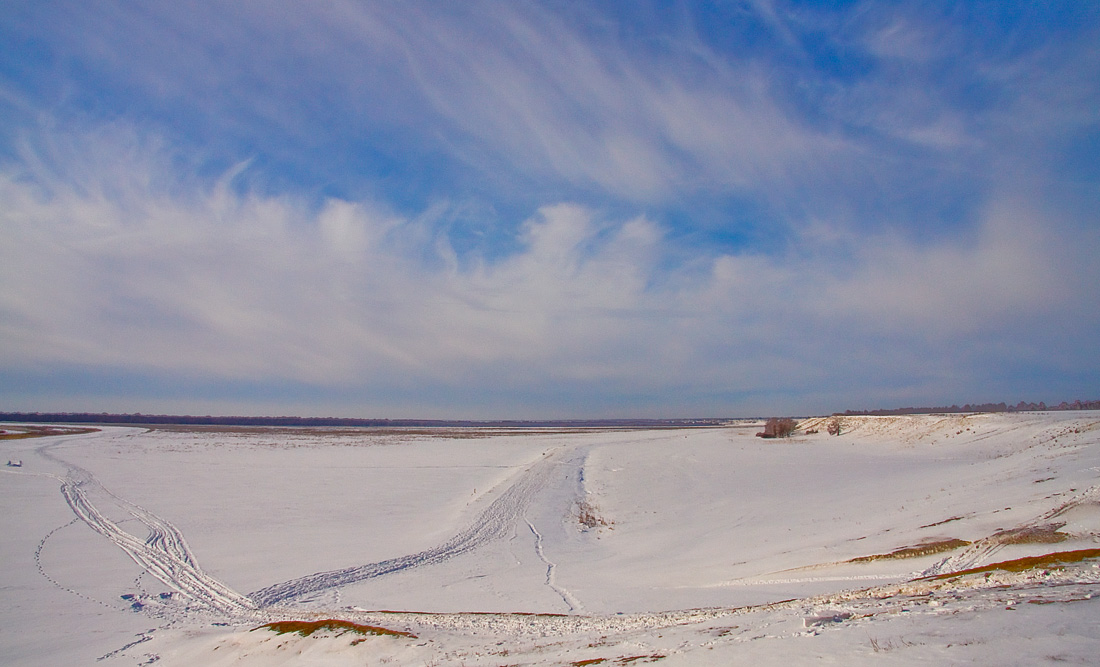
[{"x": 529, "y": 210}]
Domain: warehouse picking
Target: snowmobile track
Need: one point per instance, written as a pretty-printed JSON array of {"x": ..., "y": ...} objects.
[{"x": 496, "y": 522}]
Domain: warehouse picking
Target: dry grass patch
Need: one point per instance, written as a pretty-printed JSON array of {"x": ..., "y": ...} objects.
[
  {"x": 926, "y": 549},
  {"x": 619, "y": 661},
  {"x": 20, "y": 432},
  {"x": 1045, "y": 534},
  {"x": 307, "y": 628},
  {"x": 588, "y": 514},
  {"x": 940, "y": 523},
  {"x": 1053, "y": 560}
]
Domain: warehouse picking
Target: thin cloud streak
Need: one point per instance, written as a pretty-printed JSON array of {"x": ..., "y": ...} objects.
[
  {"x": 118, "y": 273},
  {"x": 524, "y": 206}
]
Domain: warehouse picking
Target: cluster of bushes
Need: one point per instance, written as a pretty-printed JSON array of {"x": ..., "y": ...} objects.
[{"x": 778, "y": 428}]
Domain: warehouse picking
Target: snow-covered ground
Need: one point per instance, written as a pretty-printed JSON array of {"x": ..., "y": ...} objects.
[{"x": 557, "y": 547}]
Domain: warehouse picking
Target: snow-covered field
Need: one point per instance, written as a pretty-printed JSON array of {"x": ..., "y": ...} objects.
[{"x": 558, "y": 547}]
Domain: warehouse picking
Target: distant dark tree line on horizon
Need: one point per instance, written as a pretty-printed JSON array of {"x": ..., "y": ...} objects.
[
  {"x": 1022, "y": 406},
  {"x": 197, "y": 420},
  {"x": 333, "y": 422},
  {"x": 774, "y": 428}
]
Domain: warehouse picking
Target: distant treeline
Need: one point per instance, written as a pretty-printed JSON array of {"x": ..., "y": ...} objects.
[
  {"x": 982, "y": 407},
  {"x": 207, "y": 420}
]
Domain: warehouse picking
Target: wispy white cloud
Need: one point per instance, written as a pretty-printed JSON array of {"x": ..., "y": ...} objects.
[
  {"x": 511, "y": 86},
  {"x": 111, "y": 270},
  {"x": 639, "y": 125},
  {"x": 898, "y": 187}
]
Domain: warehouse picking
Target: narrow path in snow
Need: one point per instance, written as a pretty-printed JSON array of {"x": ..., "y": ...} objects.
[
  {"x": 566, "y": 595},
  {"x": 164, "y": 553},
  {"x": 496, "y": 522}
]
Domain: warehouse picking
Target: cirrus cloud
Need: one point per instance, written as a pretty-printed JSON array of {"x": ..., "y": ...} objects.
[{"x": 539, "y": 208}]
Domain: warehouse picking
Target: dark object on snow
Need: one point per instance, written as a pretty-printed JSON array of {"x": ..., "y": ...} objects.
[{"x": 778, "y": 428}]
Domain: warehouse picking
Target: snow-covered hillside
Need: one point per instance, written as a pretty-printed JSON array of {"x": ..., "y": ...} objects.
[{"x": 945, "y": 538}]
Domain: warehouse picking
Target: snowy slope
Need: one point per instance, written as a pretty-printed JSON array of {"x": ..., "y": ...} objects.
[{"x": 687, "y": 546}]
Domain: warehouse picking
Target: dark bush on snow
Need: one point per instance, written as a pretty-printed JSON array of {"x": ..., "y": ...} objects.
[{"x": 777, "y": 428}]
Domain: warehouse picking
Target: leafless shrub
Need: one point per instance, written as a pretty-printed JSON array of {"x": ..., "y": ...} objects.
[
  {"x": 589, "y": 516},
  {"x": 778, "y": 428}
]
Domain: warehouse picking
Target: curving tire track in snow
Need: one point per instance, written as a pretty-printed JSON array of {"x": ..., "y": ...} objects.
[
  {"x": 496, "y": 522},
  {"x": 164, "y": 553}
]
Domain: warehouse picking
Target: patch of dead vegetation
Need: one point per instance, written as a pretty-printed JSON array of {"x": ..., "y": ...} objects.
[
  {"x": 20, "y": 432},
  {"x": 1045, "y": 534},
  {"x": 588, "y": 515},
  {"x": 307, "y": 628},
  {"x": 1049, "y": 561},
  {"x": 926, "y": 549},
  {"x": 626, "y": 660},
  {"x": 940, "y": 523}
]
